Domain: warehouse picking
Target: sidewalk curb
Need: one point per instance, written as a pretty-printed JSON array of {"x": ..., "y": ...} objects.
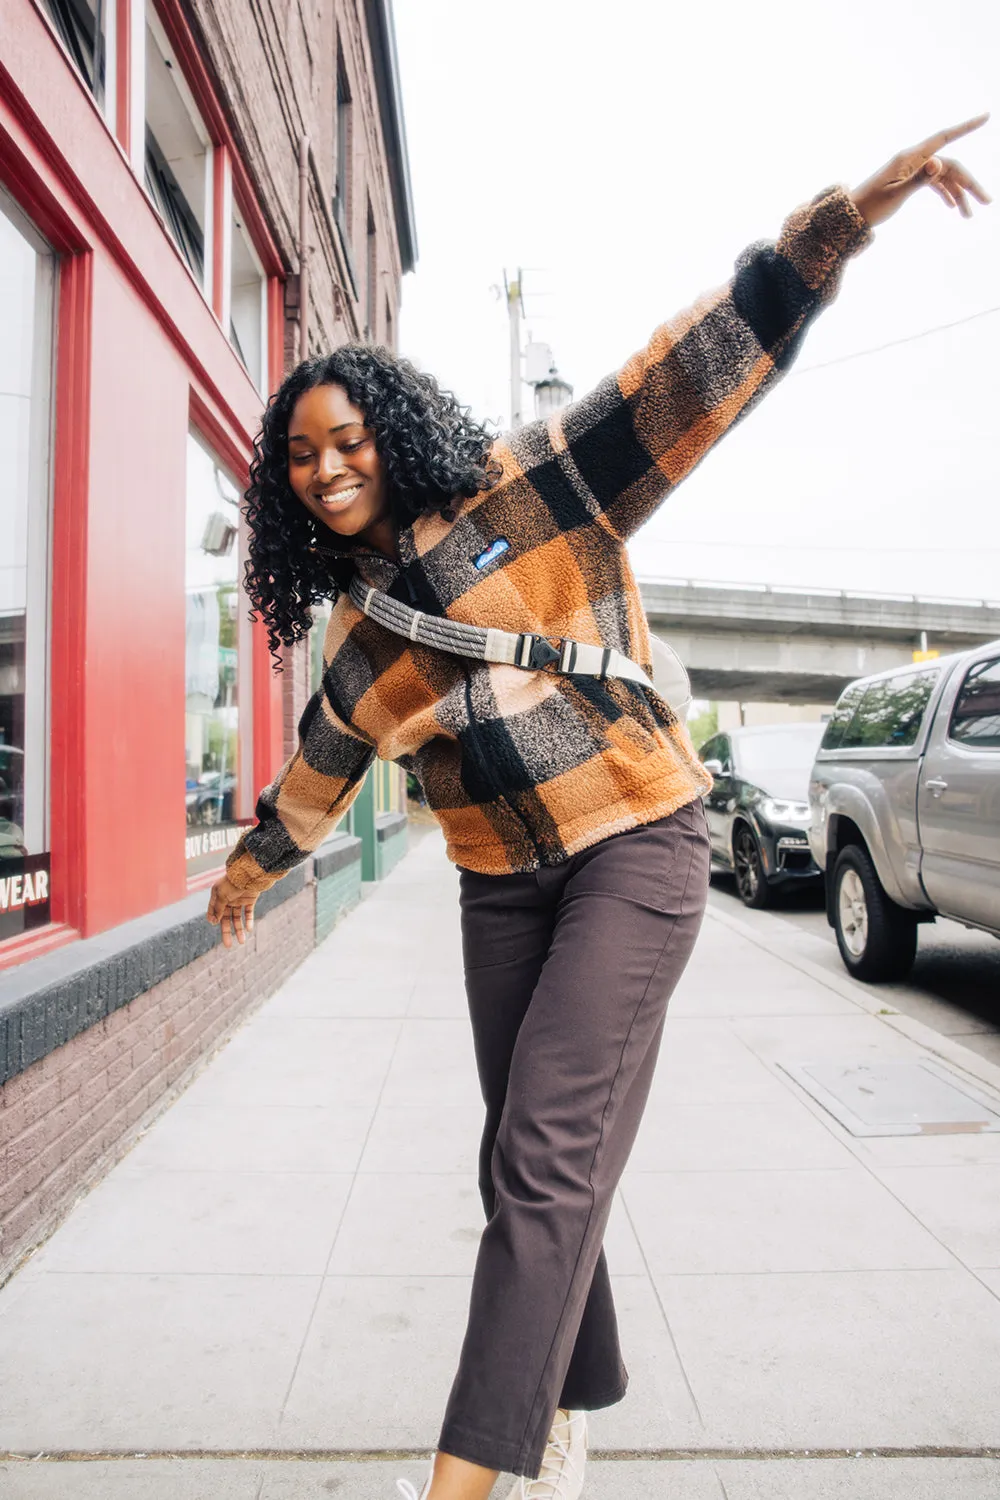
[
  {"x": 736, "y": 1452},
  {"x": 959, "y": 1056}
]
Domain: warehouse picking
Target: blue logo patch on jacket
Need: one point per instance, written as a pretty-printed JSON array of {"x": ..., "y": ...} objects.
[{"x": 494, "y": 550}]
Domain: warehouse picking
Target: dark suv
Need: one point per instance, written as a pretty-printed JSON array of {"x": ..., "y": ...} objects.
[{"x": 758, "y": 809}]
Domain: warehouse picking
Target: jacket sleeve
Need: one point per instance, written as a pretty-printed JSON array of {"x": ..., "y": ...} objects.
[
  {"x": 310, "y": 793},
  {"x": 627, "y": 444}
]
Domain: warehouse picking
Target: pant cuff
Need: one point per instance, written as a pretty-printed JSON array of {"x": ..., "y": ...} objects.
[
  {"x": 484, "y": 1449},
  {"x": 589, "y": 1401},
  {"x": 491, "y": 1452}
]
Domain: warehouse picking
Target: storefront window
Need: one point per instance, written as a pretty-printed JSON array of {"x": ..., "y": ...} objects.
[
  {"x": 217, "y": 719},
  {"x": 27, "y": 275}
]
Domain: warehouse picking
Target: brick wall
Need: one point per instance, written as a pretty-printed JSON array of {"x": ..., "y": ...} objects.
[
  {"x": 295, "y": 691},
  {"x": 68, "y": 1116},
  {"x": 277, "y": 70}
]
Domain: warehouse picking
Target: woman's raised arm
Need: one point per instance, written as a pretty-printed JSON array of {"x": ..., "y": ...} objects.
[{"x": 627, "y": 444}]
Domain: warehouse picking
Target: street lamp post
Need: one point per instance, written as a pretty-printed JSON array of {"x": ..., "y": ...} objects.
[
  {"x": 539, "y": 367},
  {"x": 551, "y": 391},
  {"x": 551, "y": 394},
  {"x": 515, "y": 309}
]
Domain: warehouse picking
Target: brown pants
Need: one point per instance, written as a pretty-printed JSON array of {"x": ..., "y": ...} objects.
[{"x": 568, "y": 973}]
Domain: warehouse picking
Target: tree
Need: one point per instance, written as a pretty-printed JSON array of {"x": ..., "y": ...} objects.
[{"x": 702, "y": 726}]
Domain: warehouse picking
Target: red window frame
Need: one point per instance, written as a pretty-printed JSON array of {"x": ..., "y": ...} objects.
[
  {"x": 268, "y": 740},
  {"x": 70, "y": 496},
  {"x": 50, "y": 196}
]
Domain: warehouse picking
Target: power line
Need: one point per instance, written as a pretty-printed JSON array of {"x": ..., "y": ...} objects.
[
  {"x": 910, "y": 338},
  {"x": 935, "y": 551}
]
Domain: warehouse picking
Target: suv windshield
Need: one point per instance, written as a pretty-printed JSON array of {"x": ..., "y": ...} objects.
[
  {"x": 891, "y": 711},
  {"x": 779, "y": 760}
]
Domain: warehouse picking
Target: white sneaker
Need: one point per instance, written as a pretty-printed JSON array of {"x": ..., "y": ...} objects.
[
  {"x": 563, "y": 1462},
  {"x": 407, "y": 1491}
]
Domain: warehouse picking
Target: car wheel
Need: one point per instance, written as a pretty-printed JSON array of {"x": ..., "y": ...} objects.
[
  {"x": 877, "y": 939},
  {"x": 751, "y": 881}
]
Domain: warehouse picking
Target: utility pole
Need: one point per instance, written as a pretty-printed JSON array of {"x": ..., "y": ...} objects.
[{"x": 515, "y": 311}]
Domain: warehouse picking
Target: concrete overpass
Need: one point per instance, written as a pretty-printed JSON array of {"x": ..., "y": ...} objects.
[{"x": 757, "y": 643}]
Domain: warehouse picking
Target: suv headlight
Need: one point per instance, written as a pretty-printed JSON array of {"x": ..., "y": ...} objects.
[{"x": 777, "y": 810}]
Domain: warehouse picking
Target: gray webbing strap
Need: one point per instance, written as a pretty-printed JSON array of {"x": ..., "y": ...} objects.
[{"x": 532, "y": 652}]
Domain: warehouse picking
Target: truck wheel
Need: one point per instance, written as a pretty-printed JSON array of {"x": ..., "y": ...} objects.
[
  {"x": 877, "y": 938},
  {"x": 751, "y": 881}
]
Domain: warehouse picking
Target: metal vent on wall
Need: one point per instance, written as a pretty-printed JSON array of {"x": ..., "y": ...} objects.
[{"x": 897, "y": 1098}]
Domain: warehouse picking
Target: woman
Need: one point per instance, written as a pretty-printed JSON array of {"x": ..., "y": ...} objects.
[{"x": 570, "y": 802}]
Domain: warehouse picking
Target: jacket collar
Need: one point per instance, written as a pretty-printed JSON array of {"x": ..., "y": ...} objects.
[{"x": 373, "y": 567}]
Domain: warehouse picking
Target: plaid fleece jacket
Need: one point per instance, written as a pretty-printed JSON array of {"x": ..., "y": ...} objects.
[{"x": 524, "y": 768}]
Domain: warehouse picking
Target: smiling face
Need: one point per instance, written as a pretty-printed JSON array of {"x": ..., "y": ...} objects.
[{"x": 333, "y": 465}]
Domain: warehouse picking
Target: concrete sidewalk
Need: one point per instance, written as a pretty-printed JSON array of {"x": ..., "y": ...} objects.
[{"x": 266, "y": 1297}]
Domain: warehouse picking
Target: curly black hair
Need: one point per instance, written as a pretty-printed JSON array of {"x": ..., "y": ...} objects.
[{"x": 432, "y": 452}]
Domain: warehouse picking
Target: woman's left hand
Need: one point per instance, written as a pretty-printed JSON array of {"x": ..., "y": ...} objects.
[{"x": 879, "y": 197}]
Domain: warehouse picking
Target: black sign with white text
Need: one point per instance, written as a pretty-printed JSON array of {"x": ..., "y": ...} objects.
[{"x": 24, "y": 894}]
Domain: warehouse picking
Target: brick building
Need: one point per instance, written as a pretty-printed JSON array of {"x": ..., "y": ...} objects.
[{"x": 192, "y": 193}]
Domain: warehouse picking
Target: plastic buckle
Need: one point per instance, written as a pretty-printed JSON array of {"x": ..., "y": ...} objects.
[{"x": 542, "y": 653}]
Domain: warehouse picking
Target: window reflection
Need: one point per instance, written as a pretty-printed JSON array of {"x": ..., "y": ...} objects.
[
  {"x": 27, "y": 270},
  {"x": 248, "y": 304},
  {"x": 81, "y": 24},
  {"x": 212, "y": 676},
  {"x": 891, "y": 711},
  {"x": 841, "y": 718},
  {"x": 343, "y": 147},
  {"x": 178, "y": 153},
  {"x": 976, "y": 717}
]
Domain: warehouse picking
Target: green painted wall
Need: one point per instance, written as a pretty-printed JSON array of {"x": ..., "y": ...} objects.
[
  {"x": 363, "y": 827},
  {"x": 336, "y": 895},
  {"x": 391, "y": 851}
]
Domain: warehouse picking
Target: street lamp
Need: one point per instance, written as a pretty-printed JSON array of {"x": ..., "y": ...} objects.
[{"x": 551, "y": 394}]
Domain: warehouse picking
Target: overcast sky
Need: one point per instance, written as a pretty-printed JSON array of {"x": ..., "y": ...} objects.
[{"x": 624, "y": 154}]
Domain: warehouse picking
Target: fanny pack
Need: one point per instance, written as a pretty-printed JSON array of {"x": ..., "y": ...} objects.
[{"x": 526, "y": 650}]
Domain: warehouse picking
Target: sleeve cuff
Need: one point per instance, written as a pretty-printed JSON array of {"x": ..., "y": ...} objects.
[
  {"x": 246, "y": 874},
  {"x": 819, "y": 238},
  {"x": 839, "y": 221}
]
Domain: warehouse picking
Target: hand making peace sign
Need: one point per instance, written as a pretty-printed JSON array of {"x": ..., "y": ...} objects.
[{"x": 920, "y": 166}]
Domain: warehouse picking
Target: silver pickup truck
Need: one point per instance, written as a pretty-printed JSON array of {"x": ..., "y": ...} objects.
[{"x": 905, "y": 807}]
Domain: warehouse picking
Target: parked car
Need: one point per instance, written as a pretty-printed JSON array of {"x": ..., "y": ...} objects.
[
  {"x": 12, "y": 783},
  {"x": 905, "y": 796},
  {"x": 210, "y": 800},
  {"x": 12, "y": 844},
  {"x": 758, "y": 809},
  {"x": 11, "y": 802}
]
